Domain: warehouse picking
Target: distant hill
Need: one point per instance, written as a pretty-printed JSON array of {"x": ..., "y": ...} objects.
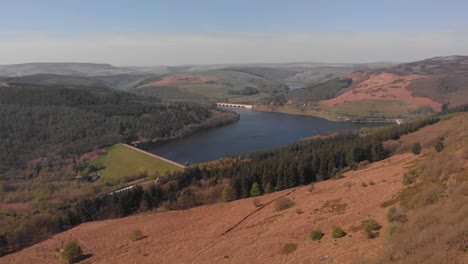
[
  {"x": 212, "y": 85},
  {"x": 276, "y": 74},
  {"x": 75, "y": 69},
  {"x": 54, "y": 79},
  {"x": 321, "y": 91},
  {"x": 437, "y": 82},
  {"x": 449, "y": 65},
  {"x": 399, "y": 91}
]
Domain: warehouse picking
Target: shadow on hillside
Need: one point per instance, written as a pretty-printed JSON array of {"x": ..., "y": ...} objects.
[{"x": 84, "y": 257}]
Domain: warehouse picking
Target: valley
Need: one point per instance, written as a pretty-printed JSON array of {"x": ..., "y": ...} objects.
[
  {"x": 260, "y": 231},
  {"x": 240, "y": 132},
  {"x": 75, "y": 168}
]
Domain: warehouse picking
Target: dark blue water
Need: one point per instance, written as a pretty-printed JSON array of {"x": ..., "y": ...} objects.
[{"x": 253, "y": 132}]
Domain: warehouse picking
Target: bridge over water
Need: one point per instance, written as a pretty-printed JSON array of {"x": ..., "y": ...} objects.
[{"x": 235, "y": 105}]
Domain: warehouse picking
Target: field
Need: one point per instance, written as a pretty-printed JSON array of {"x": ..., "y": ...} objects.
[
  {"x": 302, "y": 109},
  {"x": 374, "y": 108},
  {"x": 123, "y": 161}
]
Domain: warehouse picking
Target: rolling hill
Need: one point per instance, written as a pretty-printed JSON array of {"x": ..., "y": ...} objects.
[
  {"x": 378, "y": 91},
  {"x": 213, "y": 85},
  {"x": 436, "y": 83},
  {"x": 402, "y": 91},
  {"x": 72, "y": 68}
]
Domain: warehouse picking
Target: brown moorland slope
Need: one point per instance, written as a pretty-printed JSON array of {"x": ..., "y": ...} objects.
[
  {"x": 435, "y": 204},
  {"x": 195, "y": 235},
  {"x": 382, "y": 86},
  {"x": 432, "y": 82}
]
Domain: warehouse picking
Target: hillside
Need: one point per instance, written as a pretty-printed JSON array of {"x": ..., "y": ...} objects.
[
  {"x": 45, "y": 130},
  {"x": 434, "y": 83},
  {"x": 71, "y": 68},
  {"x": 213, "y": 85},
  {"x": 402, "y": 91},
  {"x": 195, "y": 235},
  {"x": 238, "y": 232}
]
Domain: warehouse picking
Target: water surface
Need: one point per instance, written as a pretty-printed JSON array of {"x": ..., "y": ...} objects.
[{"x": 253, "y": 132}]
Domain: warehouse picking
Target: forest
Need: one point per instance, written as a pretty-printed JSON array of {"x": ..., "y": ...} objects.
[
  {"x": 313, "y": 93},
  {"x": 54, "y": 120},
  {"x": 44, "y": 130}
]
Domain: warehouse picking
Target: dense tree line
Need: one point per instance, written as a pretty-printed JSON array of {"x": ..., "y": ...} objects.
[
  {"x": 302, "y": 162},
  {"x": 253, "y": 174},
  {"x": 36, "y": 120},
  {"x": 245, "y": 91},
  {"x": 321, "y": 91},
  {"x": 313, "y": 93}
]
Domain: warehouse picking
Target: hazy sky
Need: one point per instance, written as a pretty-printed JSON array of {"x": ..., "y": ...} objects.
[{"x": 177, "y": 32}]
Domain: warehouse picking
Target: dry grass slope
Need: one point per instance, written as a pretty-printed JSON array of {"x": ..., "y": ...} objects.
[{"x": 435, "y": 230}]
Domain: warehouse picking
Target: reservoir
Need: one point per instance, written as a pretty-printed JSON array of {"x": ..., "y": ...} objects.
[{"x": 254, "y": 131}]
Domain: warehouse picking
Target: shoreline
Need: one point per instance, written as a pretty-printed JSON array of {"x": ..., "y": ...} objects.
[
  {"x": 217, "y": 120},
  {"x": 324, "y": 115}
]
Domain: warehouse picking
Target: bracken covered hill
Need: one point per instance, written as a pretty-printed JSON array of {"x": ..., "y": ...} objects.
[
  {"x": 405, "y": 90},
  {"x": 423, "y": 230}
]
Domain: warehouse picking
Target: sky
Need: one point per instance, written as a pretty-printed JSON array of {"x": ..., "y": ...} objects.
[{"x": 176, "y": 32}]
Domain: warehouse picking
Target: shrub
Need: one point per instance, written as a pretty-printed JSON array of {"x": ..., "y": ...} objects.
[
  {"x": 371, "y": 183},
  {"x": 409, "y": 177},
  {"x": 316, "y": 235},
  {"x": 395, "y": 215},
  {"x": 289, "y": 248},
  {"x": 439, "y": 145},
  {"x": 228, "y": 194},
  {"x": 71, "y": 252},
  {"x": 337, "y": 232},
  {"x": 370, "y": 227},
  {"x": 392, "y": 229},
  {"x": 256, "y": 203},
  {"x": 299, "y": 211},
  {"x": 283, "y": 203},
  {"x": 268, "y": 188},
  {"x": 136, "y": 235},
  {"x": 363, "y": 164},
  {"x": 416, "y": 148},
  {"x": 363, "y": 184}
]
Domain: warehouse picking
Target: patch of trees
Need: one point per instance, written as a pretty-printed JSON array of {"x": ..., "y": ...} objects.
[
  {"x": 321, "y": 91},
  {"x": 245, "y": 91}
]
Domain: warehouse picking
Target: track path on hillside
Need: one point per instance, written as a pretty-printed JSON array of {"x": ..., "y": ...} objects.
[
  {"x": 256, "y": 210},
  {"x": 238, "y": 223}
]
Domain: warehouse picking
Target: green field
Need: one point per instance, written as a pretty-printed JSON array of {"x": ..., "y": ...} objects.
[
  {"x": 123, "y": 161},
  {"x": 374, "y": 108}
]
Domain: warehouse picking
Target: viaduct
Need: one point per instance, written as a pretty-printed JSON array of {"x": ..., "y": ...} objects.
[{"x": 235, "y": 105}]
